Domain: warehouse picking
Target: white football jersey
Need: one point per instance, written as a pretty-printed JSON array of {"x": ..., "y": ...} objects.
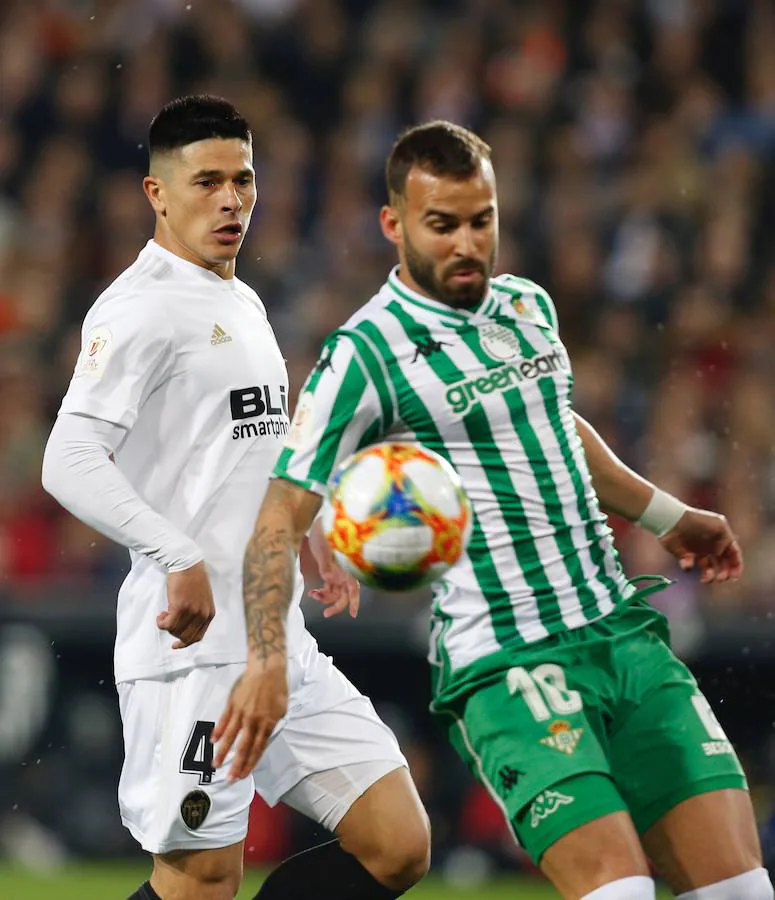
[{"x": 188, "y": 364}]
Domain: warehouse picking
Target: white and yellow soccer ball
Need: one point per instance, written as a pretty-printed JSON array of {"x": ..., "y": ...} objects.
[{"x": 396, "y": 516}]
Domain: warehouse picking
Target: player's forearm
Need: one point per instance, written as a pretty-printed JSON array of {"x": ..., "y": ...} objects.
[
  {"x": 79, "y": 473},
  {"x": 268, "y": 572},
  {"x": 618, "y": 488}
]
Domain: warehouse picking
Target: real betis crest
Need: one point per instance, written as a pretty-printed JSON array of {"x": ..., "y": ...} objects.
[
  {"x": 518, "y": 306},
  {"x": 524, "y": 309},
  {"x": 562, "y": 737}
]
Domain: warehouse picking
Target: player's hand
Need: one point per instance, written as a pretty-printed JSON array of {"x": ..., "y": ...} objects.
[
  {"x": 257, "y": 702},
  {"x": 340, "y": 591},
  {"x": 190, "y": 606},
  {"x": 705, "y": 540}
]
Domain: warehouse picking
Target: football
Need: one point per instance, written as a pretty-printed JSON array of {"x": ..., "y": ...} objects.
[{"x": 396, "y": 516}]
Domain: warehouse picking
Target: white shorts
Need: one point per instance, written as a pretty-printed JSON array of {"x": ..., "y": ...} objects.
[{"x": 324, "y": 754}]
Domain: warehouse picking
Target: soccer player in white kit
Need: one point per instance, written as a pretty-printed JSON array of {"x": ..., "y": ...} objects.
[{"x": 164, "y": 442}]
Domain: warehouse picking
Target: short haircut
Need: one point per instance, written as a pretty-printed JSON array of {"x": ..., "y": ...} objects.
[
  {"x": 186, "y": 120},
  {"x": 441, "y": 148}
]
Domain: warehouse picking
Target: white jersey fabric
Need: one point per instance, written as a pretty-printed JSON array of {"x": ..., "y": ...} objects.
[
  {"x": 78, "y": 470},
  {"x": 188, "y": 365}
]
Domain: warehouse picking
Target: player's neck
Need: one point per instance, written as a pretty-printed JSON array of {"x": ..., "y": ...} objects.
[
  {"x": 405, "y": 277},
  {"x": 170, "y": 243}
]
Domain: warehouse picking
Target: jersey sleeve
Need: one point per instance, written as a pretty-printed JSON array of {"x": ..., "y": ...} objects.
[
  {"x": 79, "y": 472},
  {"x": 345, "y": 404},
  {"x": 126, "y": 351},
  {"x": 533, "y": 295},
  {"x": 547, "y": 307}
]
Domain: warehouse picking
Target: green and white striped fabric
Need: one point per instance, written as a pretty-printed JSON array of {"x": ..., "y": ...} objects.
[{"x": 490, "y": 390}]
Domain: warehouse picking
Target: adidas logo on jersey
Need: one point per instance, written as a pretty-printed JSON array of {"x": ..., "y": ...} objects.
[{"x": 219, "y": 336}]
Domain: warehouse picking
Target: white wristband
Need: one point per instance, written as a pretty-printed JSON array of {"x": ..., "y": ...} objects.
[{"x": 662, "y": 513}]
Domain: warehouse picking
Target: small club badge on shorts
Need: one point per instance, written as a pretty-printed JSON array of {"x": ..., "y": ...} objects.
[
  {"x": 194, "y": 809},
  {"x": 562, "y": 737}
]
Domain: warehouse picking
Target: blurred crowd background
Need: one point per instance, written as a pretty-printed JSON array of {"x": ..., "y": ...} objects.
[{"x": 633, "y": 142}]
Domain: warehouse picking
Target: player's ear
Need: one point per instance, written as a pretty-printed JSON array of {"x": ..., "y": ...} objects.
[
  {"x": 154, "y": 191},
  {"x": 390, "y": 222}
]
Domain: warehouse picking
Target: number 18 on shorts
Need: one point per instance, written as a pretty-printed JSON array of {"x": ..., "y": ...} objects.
[{"x": 567, "y": 736}]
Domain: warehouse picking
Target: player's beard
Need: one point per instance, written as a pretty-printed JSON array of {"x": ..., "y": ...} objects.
[{"x": 421, "y": 268}]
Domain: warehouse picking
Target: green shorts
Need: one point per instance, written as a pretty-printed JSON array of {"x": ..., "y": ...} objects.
[{"x": 586, "y": 723}]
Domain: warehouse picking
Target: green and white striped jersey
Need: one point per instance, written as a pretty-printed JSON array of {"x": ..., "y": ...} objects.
[{"x": 490, "y": 390}]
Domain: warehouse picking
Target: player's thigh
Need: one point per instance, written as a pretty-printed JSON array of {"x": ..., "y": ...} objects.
[
  {"x": 683, "y": 782},
  {"x": 388, "y": 822},
  {"x": 706, "y": 839},
  {"x": 670, "y": 746},
  {"x": 170, "y": 797},
  {"x": 594, "y": 854},
  {"x": 529, "y": 755},
  {"x": 329, "y": 749}
]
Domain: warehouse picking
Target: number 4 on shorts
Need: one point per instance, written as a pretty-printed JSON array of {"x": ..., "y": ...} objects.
[{"x": 197, "y": 758}]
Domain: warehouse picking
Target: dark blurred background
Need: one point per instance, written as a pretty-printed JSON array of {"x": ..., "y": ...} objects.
[{"x": 633, "y": 142}]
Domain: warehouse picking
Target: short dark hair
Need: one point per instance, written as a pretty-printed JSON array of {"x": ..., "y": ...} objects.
[
  {"x": 195, "y": 118},
  {"x": 440, "y": 147}
]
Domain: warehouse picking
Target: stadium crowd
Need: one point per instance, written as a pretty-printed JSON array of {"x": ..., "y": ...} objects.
[{"x": 633, "y": 142}]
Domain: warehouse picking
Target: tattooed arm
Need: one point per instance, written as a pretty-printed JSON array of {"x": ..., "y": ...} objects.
[
  {"x": 270, "y": 558},
  {"x": 260, "y": 697}
]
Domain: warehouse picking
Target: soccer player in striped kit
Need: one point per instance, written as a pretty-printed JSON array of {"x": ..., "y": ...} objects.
[{"x": 551, "y": 671}]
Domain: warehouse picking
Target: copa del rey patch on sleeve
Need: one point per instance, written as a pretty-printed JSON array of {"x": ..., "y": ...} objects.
[
  {"x": 95, "y": 353},
  {"x": 303, "y": 424}
]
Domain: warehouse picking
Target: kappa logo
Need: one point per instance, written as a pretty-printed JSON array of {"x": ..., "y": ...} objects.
[
  {"x": 219, "y": 336},
  {"x": 325, "y": 360},
  {"x": 426, "y": 347},
  {"x": 546, "y": 804},
  {"x": 509, "y": 777}
]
